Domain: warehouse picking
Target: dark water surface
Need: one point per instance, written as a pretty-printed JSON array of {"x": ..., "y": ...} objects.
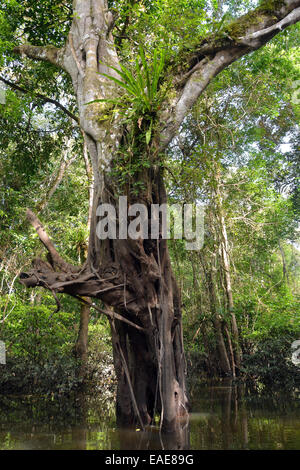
[{"x": 223, "y": 417}]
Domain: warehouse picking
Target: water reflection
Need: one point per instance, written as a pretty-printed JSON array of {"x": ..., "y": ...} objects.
[
  {"x": 235, "y": 418},
  {"x": 224, "y": 416}
]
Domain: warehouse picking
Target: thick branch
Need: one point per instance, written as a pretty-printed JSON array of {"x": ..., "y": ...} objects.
[
  {"x": 56, "y": 259},
  {"x": 110, "y": 314},
  {"x": 290, "y": 19},
  {"x": 47, "y": 53},
  {"x": 244, "y": 35},
  {"x": 268, "y": 19}
]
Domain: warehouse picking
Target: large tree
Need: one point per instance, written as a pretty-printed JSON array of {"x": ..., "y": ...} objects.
[{"x": 128, "y": 116}]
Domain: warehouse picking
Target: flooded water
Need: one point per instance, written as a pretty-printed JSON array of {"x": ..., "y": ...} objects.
[{"x": 223, "y": 417}]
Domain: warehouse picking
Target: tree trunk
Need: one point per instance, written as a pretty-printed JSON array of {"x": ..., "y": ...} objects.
[
  {"x": 135, "y": 278},
  {"x": 231, "y": 352},
  {"x": 227, "y": 270},
  {"x": 150, "y": 364},
  {"x": 63, "y": 167},
  {"x": 216, "y": 319},
  {"x": 81, "y": 346}
]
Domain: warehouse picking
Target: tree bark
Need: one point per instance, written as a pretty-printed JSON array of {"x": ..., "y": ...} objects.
[{"x": 81, "y": 346}]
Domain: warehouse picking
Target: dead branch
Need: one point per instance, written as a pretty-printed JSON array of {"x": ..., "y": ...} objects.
[
  {"x": 56, "y": 259},
  {"x": 109, "y": 314},
  {"x": 45, "y": 98}
]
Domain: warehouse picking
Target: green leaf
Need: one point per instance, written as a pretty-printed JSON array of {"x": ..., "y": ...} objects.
[{"x": 149, "y": 134}]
